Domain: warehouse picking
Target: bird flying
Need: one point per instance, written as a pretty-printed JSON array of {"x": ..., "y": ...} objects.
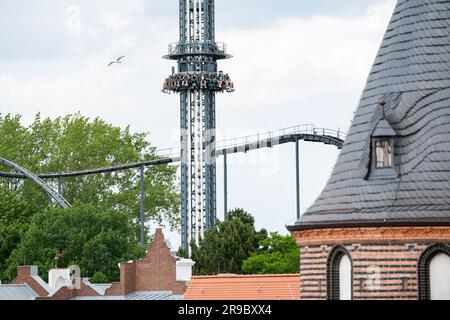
[{"x": 119, "y": 60}]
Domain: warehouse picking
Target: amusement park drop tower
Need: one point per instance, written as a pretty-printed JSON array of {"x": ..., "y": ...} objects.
[{"x": 197, "y": 80}]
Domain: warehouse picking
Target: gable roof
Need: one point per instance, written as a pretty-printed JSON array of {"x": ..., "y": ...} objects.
[
  {"x": 411, "y": 76},
  {"x": 17, "y": 292},
  {"x": 383, "y": 129},
  {"x": 236, "y": 287},
  {"x": 42, "y": 283}
]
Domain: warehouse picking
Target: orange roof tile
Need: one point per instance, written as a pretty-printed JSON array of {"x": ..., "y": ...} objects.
[{"x": 240, "y": 287}]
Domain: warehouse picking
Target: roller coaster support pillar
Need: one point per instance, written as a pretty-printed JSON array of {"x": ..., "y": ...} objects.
[
  {"x": 60, "y": 186},
  {"x": 297, "y": 168},
  {"x": 225, "y": 186},
  {"x": 142, "y": 198}
]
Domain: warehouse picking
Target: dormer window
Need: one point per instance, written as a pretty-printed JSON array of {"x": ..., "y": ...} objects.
[
  {"x": 383, "y": 138},
  {"x": 383, "y": 153}
]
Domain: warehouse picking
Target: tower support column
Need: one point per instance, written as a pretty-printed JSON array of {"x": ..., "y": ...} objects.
[{"x": 197, "y": 82}]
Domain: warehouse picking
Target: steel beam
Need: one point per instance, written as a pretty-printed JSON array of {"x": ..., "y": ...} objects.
[
  {"x": 297, "y": 170},
  {"x": 142, "y": 204},
  {"x": 60, "y": 191},
  {"x": 38, "y": 181},
  {"x": 225, "y": 187}
]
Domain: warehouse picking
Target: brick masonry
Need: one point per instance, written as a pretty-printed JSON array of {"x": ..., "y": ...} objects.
[
  {"x": 384, "y": 260},
  {"x": 155, "y": 272},
  {"x": 68, "y": 293}
]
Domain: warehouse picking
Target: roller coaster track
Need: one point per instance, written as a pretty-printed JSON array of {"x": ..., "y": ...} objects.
[
  {"x": 308, "y": 132},
  {"x": 264, "y": 140},
  {"x": 38, "y": 181},
  {"x": 237, "y": 145}
]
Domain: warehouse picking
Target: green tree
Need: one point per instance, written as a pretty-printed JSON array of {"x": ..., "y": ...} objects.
[
  {"x": 9, "y": 239},
  {"x": 223, "y": 249},
  {"x": 93, "y": 238},
  {"x": 277, "y": 255},
  {"x": 99, "y": 277},
  {"x": 75, "y": 142},
  {"x": 14, "y": 220}
]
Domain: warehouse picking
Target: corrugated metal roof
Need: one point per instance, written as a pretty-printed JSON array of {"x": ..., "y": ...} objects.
[
  {"x": 100, "y": 298},
  {"x": 162, "y": 295},
  {"x": 237, "y": 287},
  {"x": 411, "y": 74},
  {"x": 100, "y": 288},
  {"x": 17, "y": 292},
  {"x": 144, "y": 295}
]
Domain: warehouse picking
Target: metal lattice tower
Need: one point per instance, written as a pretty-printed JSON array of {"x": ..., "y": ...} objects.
[{"x": 197, "y": 81}]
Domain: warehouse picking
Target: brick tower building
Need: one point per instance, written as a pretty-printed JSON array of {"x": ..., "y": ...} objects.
[{"x": 381, "y": 227}]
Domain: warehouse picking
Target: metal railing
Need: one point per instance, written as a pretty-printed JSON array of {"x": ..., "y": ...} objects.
[
  {"x": 177, "y": 48},
  {"x": 310, "y": 129},
  {"x": 169, "y": 152}
]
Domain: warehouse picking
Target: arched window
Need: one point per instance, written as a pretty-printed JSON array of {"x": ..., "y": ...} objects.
[
  {"x": 339, "y": 275},
  {"x": 434, "y": 273}
]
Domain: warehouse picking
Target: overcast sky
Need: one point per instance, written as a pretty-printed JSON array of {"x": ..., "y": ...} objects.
[{"x": 295, "y": 62}]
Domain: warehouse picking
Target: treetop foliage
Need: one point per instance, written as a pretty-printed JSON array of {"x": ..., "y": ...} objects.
[
  {"x": 94, "y": 239},
  {"x": 74, "y": 142},
  {"x": 102, "y": 227}
]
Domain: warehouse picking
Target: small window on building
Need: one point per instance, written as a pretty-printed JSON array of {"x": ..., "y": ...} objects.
[
  {"x": 383, "y": 152},
  {"x": 383, "y": 140},
  {"x": 434, "y": 273},
  {"x": 339, "y": 275}
]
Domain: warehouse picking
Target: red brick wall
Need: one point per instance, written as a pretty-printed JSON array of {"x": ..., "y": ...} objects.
[
  {"x": 392, "y": 262},
  {"x": 382, "y": 259},
  {"x": 128, "y": 278},
  {"x": 62, "y": 294},
  {"x": 157, "y": 271},
  {"x": 66, "y": 293},
  {"x": 115, "y": 290}
]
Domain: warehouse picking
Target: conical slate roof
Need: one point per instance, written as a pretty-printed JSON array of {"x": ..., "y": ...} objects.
[{"x": 411, "y": 75}]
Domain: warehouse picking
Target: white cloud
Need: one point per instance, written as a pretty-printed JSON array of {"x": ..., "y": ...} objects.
[
  {"x": 299, "y": 58},
  {"x": 115, "y": 22}
]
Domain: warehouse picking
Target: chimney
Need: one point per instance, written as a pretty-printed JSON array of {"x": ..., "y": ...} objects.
[
  {"x": 128, "y": 277},
  {"x": 27, "y": 271},
  {"x": 184, "y": 269}
]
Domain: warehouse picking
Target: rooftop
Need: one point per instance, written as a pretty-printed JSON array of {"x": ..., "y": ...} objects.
[
  {"x": 244, "y": 287},
  {"x": 17, "y": 292},
  {"x": 151, "y": 295}
]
